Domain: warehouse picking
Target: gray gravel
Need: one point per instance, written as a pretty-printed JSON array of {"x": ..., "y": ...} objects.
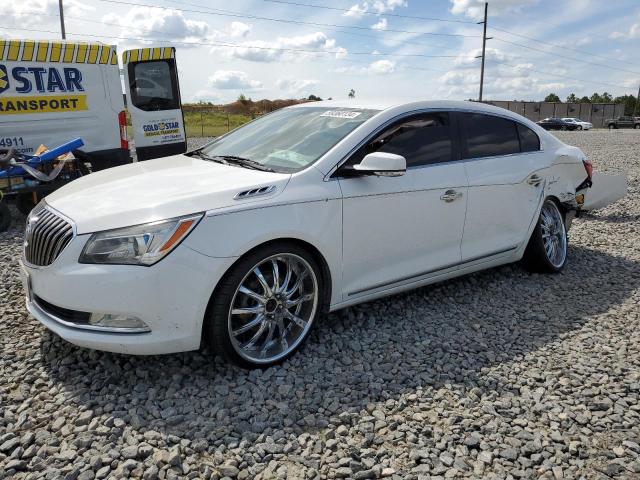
[{"x": 501, "y": 374}]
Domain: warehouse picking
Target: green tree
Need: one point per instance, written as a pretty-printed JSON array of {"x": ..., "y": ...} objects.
[
  {"x": 242, "y": 98},
  {"x": 584, "y": 99},
  {"x": 606, "y": 97},
  {"x": 352, "y": 93},
  {"x": 572, "y": 98},
  {"x": 596, "y": 98},
  {"x": 314, "y": 98},
  {"x": 629, "y": 103},
  {"x": 552, "y": 97}
]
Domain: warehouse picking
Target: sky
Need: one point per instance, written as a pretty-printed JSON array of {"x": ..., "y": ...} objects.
[{"x": 397, "y": 49}]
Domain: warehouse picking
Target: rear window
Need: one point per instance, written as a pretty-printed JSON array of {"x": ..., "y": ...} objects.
[
  {"x": 153, "y": 85},
  {"x": 489, "y": 136}
]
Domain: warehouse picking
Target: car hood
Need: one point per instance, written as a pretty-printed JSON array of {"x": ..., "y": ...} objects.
[{"x": 156, "y": 190}]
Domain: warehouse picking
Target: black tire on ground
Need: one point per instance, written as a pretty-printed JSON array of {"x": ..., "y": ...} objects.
[
  {"x": 535, "y": 257},
  {"x": 637, "y": 126},
  {"x": 25, "y": 202},
  {"x": 216, "y": 325},
  {"x": 579, "y": 127},
  {"x": 563, "y": 127},
  {"x": 5, "y": 216},
  {"x": 612, "y": 127}
]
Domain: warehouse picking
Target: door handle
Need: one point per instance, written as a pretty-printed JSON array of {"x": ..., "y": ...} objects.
[
  {"x": 534, "y": 180},
  {"x": 450, "y": 196}
]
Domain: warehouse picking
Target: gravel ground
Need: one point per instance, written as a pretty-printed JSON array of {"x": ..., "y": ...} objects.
[{"x": 501, "y": 374}]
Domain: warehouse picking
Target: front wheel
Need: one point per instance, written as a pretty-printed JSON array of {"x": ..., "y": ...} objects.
[
  {"x": 612, "y": 127},
  {"x": 579, "y": 127},
  {"x": 637, "y": 126},
  {"x": 563, "y": 128},
  {"x": 547, "y": 247},
  {"x": 265, "y": 306}
]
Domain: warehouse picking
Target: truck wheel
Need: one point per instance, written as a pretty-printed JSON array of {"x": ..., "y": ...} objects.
[
  {"x": 5, "y": 216},
  {"x": 612, "y": 127},
  {"x": 637, "y": 126}
]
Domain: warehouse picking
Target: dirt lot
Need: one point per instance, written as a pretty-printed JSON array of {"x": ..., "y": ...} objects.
[{"x": 502, "y": 374}]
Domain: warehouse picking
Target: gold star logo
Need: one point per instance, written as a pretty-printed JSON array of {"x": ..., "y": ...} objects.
[{"x": 3, "y": 81}]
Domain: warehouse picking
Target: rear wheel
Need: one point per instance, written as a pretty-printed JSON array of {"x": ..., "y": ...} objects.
[
  {"x": 264, "y": 308},
  {"x": 563, "y": 127},
  {"x": 637, "y": 126},
  {"x": 612, "y": 127},
  {"x": 547, "y": 247},
  {"x": 579, "y": 127}
]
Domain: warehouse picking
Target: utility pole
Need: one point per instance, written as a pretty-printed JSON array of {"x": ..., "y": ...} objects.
[
  {"x": 635, "y": 109},
  {"x": 64, "y": 35},
  {"x": 484, "y": 45}
]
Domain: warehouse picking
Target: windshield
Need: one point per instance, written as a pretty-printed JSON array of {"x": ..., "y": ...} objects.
[{"x": 290, "y": 139}]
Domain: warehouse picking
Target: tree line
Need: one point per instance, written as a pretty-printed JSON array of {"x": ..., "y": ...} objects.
[{"x": 629, "y": 101}]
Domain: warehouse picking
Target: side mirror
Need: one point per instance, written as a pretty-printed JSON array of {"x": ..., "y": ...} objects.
[{"x": 381, "y": 164}]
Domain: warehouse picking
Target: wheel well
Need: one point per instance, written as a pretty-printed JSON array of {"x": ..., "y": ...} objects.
[{"x": 313, "y": 251}]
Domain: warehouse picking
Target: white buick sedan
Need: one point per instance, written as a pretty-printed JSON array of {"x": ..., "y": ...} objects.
[{"x": 246, "y": 242}]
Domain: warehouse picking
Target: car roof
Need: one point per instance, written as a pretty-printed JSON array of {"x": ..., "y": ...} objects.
[{"x": 410, "y": 105}]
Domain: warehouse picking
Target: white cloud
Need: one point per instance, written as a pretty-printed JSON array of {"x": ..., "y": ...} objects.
[
  {"x": 233, "y": 80},
  {"x": 375, "y": 6},
  {"x": 25, "y": 12},
  {"x": 295, "y": 84},
  {"x": 271, "y": 51},
  {"x": 470, "y": 58},
  {"x": 239, "y": 29},
  {"x": 475, "y": 8},
  {"x": 381, "y": 25},
  {"x": 632, "y": 33},
  {"x": 156, "y": 23},
  {"x": 379, "y": 67}
]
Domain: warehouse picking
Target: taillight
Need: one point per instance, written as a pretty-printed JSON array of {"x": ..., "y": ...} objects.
[
  {"x": 122, "y": 121},
  {"x": 588, "y": 166}
]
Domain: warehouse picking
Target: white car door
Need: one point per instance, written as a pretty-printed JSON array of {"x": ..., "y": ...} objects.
[
  {"x": 398, "y": 229},
  {"x": 505, "y": 168}
]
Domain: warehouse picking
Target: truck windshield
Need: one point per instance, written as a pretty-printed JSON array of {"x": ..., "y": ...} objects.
[{"x": 290, "y": 139}]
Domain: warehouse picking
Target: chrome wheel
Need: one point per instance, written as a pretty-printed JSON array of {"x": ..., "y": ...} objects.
[
  {"x": 554, "y": 235},
  {"x": 273, "y": 308}
]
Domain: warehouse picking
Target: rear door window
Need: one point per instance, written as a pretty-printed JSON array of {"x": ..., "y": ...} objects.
[
  {"x": 489, "y": 136},
  {"x": 529, "y": 140}
]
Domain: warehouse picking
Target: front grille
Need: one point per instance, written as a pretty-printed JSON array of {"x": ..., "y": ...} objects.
[
  {"x": 61, "y": 313},
  {"x": 46, "y": 235}
]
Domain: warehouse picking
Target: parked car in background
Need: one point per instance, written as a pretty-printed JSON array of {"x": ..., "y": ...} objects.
[
  {"x": 246, "y": 241},
  {"x": 582, "y": 125},
  {"x": 557, "y": 124},
  {"x": 623, "y": 122}
]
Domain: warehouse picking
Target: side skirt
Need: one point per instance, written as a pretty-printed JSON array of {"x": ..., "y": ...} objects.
[{"x": 499, "y": 258}]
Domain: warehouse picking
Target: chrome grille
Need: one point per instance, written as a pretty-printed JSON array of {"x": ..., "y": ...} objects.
[{"x": 46, "y": 235}]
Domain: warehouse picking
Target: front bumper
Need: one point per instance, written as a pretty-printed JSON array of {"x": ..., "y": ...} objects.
[{"x": 171, "y": 298}]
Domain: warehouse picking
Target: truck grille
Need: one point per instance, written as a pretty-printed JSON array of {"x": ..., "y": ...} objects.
[{"x": 46, "y": 235}]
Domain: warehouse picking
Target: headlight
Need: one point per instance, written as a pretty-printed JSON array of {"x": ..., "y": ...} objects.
[{"x": 139, "y": 245}]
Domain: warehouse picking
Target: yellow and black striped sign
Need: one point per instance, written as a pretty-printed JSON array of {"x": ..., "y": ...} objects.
[
  {"x": 57, "y": 51},
  {"x": 145, "y": 54}
]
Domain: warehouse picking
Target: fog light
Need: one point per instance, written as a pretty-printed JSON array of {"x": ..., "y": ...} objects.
[
  {"x": 124, "y": 322},
  {"x": 580, "y": 198}
]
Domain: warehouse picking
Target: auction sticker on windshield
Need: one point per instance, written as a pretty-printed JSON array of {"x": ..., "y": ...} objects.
[{"x": 340, "y": 114}]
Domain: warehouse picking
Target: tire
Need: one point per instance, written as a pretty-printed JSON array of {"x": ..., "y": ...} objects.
[
  {"x": 637, "y": 126},
  {"x": 539, "y": 256},
  {"x": 563, "y": 128},
  {"x": 251, "y": 343},
  {"x": 612, "y": 127},
  {"x": 25, "y": 203},
  {"x": 579, "y": 127},
  {"x": 5, "y": 216}
]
